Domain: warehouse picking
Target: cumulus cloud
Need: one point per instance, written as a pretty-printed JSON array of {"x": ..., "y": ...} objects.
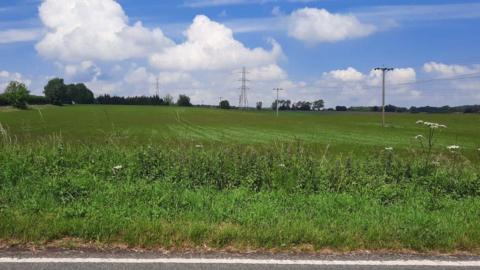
[
  {"x": 267, "y": 73},
  {"x": 80, "y": 30},
  {"x": 90, "y": 39},
  {"x": 347, "y": 75},
  {"x": 211, "y": 46},
  {"x": 6, "y": 77},
  {"x": 83, "y": 71},
  {"x": 313, "y": 25},
  {"x": 352, "y": 87},
  {"x": 397, "y": 76},
  {"x": 461, "y": 89},
  {"x": 444, "y": 70}
]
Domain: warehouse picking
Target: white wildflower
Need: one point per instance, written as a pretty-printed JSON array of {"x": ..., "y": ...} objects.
[
  {"x": 434, "y": 125},
  {"x": 199, "y": 146},
  {"x": 281, "y": 165},
  {"x": 453, "y": 147},
  {"x": 389, "y": 148},
  {"x": 118, "y": 167},
  {"x": 419, "y": 122},
  {"x": 419, "y": 137}
]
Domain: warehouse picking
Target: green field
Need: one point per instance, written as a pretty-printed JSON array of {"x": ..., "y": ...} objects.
[
  {"x": 343, "y": 132},
  {"x": 193, "y": 178}
]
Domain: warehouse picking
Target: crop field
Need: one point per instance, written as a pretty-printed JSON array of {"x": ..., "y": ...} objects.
[
  {"x": 196, "y": 178},
  {"x": 342, "y": 131}
]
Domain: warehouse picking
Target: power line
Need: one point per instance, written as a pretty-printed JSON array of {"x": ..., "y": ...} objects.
[
  {"x": 462, "y": 77},
  {"x": 362, "y": 84}
]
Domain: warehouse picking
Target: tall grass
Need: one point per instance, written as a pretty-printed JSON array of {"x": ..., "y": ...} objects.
[{"x": 278, "y": 196}]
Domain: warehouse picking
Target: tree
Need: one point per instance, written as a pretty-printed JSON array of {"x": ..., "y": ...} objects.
[
  {"x": 259, "y": 105},
  {"x": 184, "y": 101},
  {"x": 168, "y": 99},
  {"x": 56, "y": 91},
  {"x": 3, "y": 101},
  {"x": 224, "y": 104},
  {"x": 318, "y": 105},
  {"x": 340, "y": 108},
  {"x": 16, "y": 94},
  {"x": 80, "y": 94},
  {"x": 302, "y": 106}
]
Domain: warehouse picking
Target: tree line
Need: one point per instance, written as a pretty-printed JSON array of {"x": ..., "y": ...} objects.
[
  {"x": 288, "y": 105},
  {"x": 58, "y": 93},
  {"x": 413, "y": 109}
]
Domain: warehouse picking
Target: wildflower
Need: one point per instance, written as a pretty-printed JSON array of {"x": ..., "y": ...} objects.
[
  {"x": 281, "y": 165},
  {"x": 199, "y": 146},
  {"x": 118, "y": 167},
  {"x": 419, "y": 137},
  {"x": 478, "y": 149},
  {"x": 419, "y": 122},
  {"x": 434, "y": 125},
  {"x": 453, "y": 147},
  {"x": 389, "y": 148}
]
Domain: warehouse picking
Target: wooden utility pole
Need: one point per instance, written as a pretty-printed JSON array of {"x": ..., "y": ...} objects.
[
  {"x": 278, "y": 90},
  {"x": 384, "y": 71}
]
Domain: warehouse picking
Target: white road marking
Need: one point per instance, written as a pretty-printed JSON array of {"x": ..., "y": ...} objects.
[{"x": 244, "y": 261}]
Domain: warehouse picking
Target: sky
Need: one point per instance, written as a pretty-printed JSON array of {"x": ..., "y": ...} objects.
[{"x": 312, "y": 49}]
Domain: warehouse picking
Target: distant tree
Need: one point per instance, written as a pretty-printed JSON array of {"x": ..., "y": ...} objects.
[
  {"x": 16, "y": 94},
  {"x": 302, "y": 106},
  {"x": 224, "y": 104},
  {"x": 56, "y": 91},
  {"x": 168, "y": 99},
  {"x": 318, "y": 105},
  {"x": 259, "y": 105},
  {"x": 80, "y": 94},
  {"x": 3, "y": 101},
  {"x": 340, "y": 108},
  {"x": 184, "y": 101}
]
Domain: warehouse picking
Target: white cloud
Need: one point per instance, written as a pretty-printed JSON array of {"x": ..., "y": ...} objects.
[
  {"x": 6, "y": 77},
  {"x": 444, "y": 70},
  {"x": 352, "y": 87},
  {"x": 461, "y": 91},
  {"x": 270, "y": 72},
  {"x": 397, "y": 76},
  {"x": 80, "y": 30},
  {"x": 20, "y": 35},
  {"x": 83, "y": 71},
  {"x": 314, "y": 25},
  {"x": 349, "y": 74},
  {"x": 211, "y": 46}
]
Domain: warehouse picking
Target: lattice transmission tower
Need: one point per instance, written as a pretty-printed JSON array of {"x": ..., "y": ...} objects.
[{"x": 243, "y": 100}]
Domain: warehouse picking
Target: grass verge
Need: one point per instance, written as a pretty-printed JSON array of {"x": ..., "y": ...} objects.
[{"x": 277, "y": 197}]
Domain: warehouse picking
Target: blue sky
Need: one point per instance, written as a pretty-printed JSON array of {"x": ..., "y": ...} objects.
[{"x": 313, "y": 49}]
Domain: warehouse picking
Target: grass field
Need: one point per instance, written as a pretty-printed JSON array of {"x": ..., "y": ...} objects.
[
  {"x": 177, "y": 178},
  {"x": 343, "y": 132}
]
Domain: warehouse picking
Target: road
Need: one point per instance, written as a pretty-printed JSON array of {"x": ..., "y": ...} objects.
[{"x": 140, "y": 261}]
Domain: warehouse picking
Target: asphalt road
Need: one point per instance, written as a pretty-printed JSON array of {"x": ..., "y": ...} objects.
[{"x": 129, "y": 261}]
